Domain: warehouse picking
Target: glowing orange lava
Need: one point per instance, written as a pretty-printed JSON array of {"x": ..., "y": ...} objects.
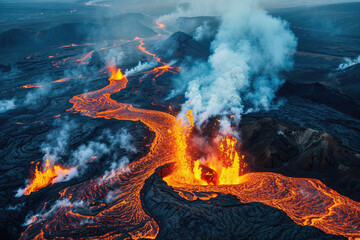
[
  {"x": 85, "y": 59},
  {"x": 61, "y": 80},
  {"x": 42, "y": 85},
  {"x": 32, "y": 86},
  {"x": 226, "y": 164},
  {"x": 142, "y": 48},
  {"x": 158, "y": 71},
  {"x": 160, "y": 25},
  {"x": 220, "y": 165},
  {"x": 305, "y": 201},
  {"x": 45, "y": 177}
]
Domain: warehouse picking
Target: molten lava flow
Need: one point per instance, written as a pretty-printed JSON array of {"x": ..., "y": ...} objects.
[
  {"x": 45, "y": 177},
  {"x": 85, "y": 59},
  {"x": 124, "y": 215},
  {"x": 32, "y": 86},
  {"x": 142, "y": 48},
  {"x": 158, "y": 71},
  {"x": 306, "y": 201},
  {"x": 42, "y": 85},
  {"x": 61, "y": 80}
]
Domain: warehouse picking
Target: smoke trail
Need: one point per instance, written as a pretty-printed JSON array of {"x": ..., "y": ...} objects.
[
  {"x": 248, "y": 52},
  {"x": 140, "y": 67}
]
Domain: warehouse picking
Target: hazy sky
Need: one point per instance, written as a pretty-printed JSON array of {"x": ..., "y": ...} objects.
[{"x": 172, "y": 2}]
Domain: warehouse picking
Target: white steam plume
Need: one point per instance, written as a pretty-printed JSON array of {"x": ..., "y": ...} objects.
[
  {"x": 349, "y": 63},
  {"x": 107, "y": 144},
  {"x": 140, "y": 68},
  {"x": 63, "y": 203},
  {"x": 249, "y": 50},
  {"x": 56, "y": 144},
  {"x": 6, "y": 105},
  {"x": 203, "y": 31}
]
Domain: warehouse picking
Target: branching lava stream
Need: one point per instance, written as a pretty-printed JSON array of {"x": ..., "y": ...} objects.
[{"x": 306, "y": 201}]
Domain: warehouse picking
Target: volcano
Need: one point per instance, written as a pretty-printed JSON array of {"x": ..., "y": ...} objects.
[{"x": 179, "y": 124}]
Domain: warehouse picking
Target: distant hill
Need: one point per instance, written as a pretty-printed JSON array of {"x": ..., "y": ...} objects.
[
  {"x": 181, "y": 45},
  {"x": 348, "y": 81},
  {"x": 335, "y": 19},
  {"x": 126, "y": 26}
]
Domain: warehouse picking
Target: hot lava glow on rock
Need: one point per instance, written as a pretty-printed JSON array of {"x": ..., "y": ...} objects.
[
  {"x": 221, "y": 170},
  {"x": 42, "y": 178},
  {"x": 305, "y": 201},
  {"x": 158, "y": 71},
  {"x": 226, "y": 167},
  {"x": 221, "y": 165}
]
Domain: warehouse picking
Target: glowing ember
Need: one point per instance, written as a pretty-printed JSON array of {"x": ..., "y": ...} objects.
[
  {"x": 32, "y": 86},
  {"x": 61, "y": 80},
  {"x": 77, "y": 45},
  {"x": 45, "y": 177}
]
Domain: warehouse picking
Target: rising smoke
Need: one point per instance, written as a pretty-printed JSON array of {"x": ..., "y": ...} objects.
[
  {"x": 348, "y": 62},
  {"x": 63, "y": 203},
  {"x": 142, "y": 66},
  {"x": 7, "y": 105},
  {"x": 248, "y": 52},
  {"x": 109, "y": 144}
]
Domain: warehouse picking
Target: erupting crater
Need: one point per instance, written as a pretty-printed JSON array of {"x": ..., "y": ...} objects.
[{"x": 201, "y": 163}]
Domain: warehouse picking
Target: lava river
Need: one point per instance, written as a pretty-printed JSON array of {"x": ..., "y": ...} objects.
[{"x": 84, "y": 212}]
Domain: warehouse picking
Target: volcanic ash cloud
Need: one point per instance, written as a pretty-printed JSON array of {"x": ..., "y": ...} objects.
[{"x": 248, "y": 52}]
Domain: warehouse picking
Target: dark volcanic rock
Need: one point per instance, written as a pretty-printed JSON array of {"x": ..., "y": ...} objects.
[
  {"x": 180, "y": 45},
  {"x": 348, "y": 81},
  {"x": 223, "y": 217},
  {"x": 321, "y": 94},
  {"x": 19, "y": 38},
  {"x": 334, "y": 19},
  {"x": 299, "y": 152}
]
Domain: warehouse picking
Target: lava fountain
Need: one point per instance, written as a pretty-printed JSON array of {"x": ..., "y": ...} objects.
[
  {"x": 48, "y": 175},
  {"x": 216, "y": 163}
]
